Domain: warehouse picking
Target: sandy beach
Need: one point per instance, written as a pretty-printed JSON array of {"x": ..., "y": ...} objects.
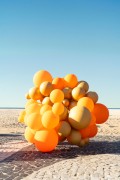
[{"x": 67, "y": 162}]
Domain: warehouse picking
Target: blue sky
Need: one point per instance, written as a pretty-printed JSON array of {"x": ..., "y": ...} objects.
[{"x": 80, "y": 37}]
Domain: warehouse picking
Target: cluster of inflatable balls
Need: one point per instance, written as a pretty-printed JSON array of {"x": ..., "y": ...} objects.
[{"x": 59, "y": 109}]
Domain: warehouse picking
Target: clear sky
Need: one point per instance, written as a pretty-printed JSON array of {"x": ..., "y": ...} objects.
[{"x": 65, "y": 36}]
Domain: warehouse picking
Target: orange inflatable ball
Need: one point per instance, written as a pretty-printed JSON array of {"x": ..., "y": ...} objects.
[
  {"x": 29, "y": 135},
  {"x": 86, "y": 140},
  {"x": 93, "y": 131},
  {"x": 46, "y": 140},
  {"x": 93, "y": 96},
  {"x": 64, "y": 115},
  {"x": 30, "y": 101},
  {"x": 101, "y": 113},
  {"x": 71, "y": 80},
  {"x": 21, "y": 116},
  {"x": 34, "y": 121},
  {"x": 85, "y": 132},
  {"x": 58, "y": 83},
  {"x": 47, "y": 100},
  {"x": 46, "y": 88},
  {"x": 63, "y": 128},
  {"x": 78, "y": 93},
  {"x": 50, "y": 120},
  {"x": 34, "y": 107},
  {"x": 79, "y": 117},
  {"x": 86, "y": 102},
  {"x": 45, "y": 108},
  {"x": 72, "y": 104},
  {"x": 66, "y": 102},
  {"x": 84, "y": 85},
  {"x": 27, "y": 96},
  {"x": 35, "y": 94},
  {"x": 67, "y": 93},
  {"x": 61, "y": 138},
  {"x": 56, "y": 96},
  {"x": 41, "y": 76},
  {"x": 58, "y": 108},
  {"x": 74, "y": 137},
  {"x": 93, "y": 120}
]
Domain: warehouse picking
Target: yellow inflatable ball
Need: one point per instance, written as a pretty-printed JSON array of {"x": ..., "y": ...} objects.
[
  {"x": 86, "y": 102},
  {"x": 29, "y": 102},
  {"x": 21, "y": 116},
  {"x": 72, "y": 104},
  {"x": 35, "y": 94},
  {"x": 45, "y": 108},
  {"x": 71, "y": 80},
  {"x": 74, "y": 137},
  {"x": 93, "y": 96},
  {"x": 58, "y": 83},
  {"x": 82, "y": 143},
  {"x": 63, "y": 128},
  {"x": 29, "y": 135},
  {"x": 46, "y": 140},
  {"x": 56, "y": 96},
  {"x": 41, "y": 76},
  {"x": 64, "y": 115},
  {"x": 27, "y": 96},
  {"x": 67, "y": 93},
  {"x": 34, "y": 121},
  {"x": 84, "y": 85},
  {"x": 47, "y": 100},
  {"x": 66, "y": 102},
  {"x": 58, "y": 108},
  {"x": 25, "y": 119},
  {"x": 79, "y": 117},
  {"x": 78, "y": 93},
  {"x": 46, "y": 88},
  {"x": 34, "y": 107},
  {"x": 50, "y": 120}
]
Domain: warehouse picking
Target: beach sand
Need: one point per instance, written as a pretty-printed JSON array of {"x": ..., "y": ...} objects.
[{"x": 99, "y": 160}]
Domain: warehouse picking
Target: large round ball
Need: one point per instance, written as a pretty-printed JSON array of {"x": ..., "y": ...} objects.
[
  {"x": 29, "y": 135},
  {"x": 84, "y": 85},
  {"x": 34, "y": 121},
  {"x": 50, "y": 120},
  {"x": 86, "y": 102},
  {"x": 46, "y": 140},
  {"x": 78, "y": 93},
  {"x": 72, "y": 104},
  {"x": 58, "y": 108},
  {"x": 21, "y": 116},
  {"x": 45, "y": 108},
  {"x": 47, "y": 100},
  {"x": 93, "y": 131},
  {"x": 56, "y": 96},
  {"x": 46, "y": 88},
  {"x": 74, "y": 137},
  {"x": 27, "y": 96},
  {"x": 93, "y": 96},
  {"x": 64, "y": 128},
  {"x": 58, "y": 83},
  {"x": 29, "y": 102},
  {"x": 85, "y": 132},
  {"x": 101, "y": 113},
  {"x": 79, "y": 117},
  {"x": 67, "y": 93},
  {"x": 93, "y": 119},
  {"x": 35, "y": 94},
  {"x": 41, "y": 76},
  {"x": 64, "y": 115},
  {"x": 66, "y": 102},
  {"x": 32, "y": 108},
  {"x": 71, "y": 80}
]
